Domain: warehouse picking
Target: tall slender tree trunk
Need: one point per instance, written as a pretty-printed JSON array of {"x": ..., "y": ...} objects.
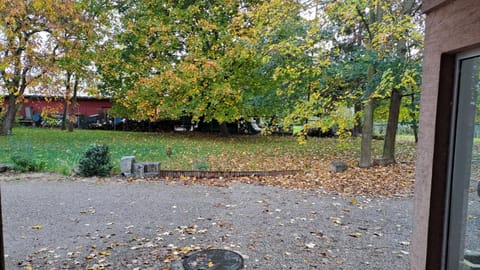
[
  {"x": 413, "y": 123},
  {"x": 367, "y": 127},
  {"x": 73, "y": 104},
  {"x": 357, "y": 128},
  {"x": 369, "y": 106},
  {"x": 16, "y": 88},
  {"x": 388, "y": 156},
  {"x": 367, "y": 130},
  {"x": 9, "y": 119},
  {"x": 65, "y": 118}
]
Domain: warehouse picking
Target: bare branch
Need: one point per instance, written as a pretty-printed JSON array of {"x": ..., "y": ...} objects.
[{"x": 364, "y": 21}]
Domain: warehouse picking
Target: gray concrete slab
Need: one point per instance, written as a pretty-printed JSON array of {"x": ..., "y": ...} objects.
[{"x": 119, "y": 225}]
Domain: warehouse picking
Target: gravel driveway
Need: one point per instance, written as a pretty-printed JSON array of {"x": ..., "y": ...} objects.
[{"x": 66, "y": 224}]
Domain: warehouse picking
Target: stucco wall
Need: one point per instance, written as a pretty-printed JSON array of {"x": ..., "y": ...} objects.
[
  {"x": 451, "y": 27},
  {"x": 429, "y": 5}
]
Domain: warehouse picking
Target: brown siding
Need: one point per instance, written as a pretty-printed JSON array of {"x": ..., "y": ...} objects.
[{"x": 451, "y": 27}]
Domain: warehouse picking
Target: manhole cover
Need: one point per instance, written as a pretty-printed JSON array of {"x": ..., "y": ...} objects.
[{"x": 213, "y": 259}]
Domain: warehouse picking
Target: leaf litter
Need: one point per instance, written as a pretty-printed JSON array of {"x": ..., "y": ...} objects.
[
  {"x": 393, "y": 180},
  {"x": 168, "y": 246}
]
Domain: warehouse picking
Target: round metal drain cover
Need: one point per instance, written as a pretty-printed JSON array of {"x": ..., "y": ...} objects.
[{"x": 213, "y": 259}]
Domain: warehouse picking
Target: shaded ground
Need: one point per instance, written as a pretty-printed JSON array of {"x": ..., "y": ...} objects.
[{"x": 51, "y": 222}]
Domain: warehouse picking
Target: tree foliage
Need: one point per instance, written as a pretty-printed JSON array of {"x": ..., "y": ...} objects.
[
  {"x": 24, "y": 53},
  {"x": 39, "y": 38},
  {"x": 75, "y": 54},
  {"x": 211, "y": 60},
  {"x": 223, "y": 60},
  {"x": 378, "y": 45}
]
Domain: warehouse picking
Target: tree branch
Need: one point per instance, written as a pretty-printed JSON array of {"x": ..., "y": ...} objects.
[{"x": 364, "y": 21}]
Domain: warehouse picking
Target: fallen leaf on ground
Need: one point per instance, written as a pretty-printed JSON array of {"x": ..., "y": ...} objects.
[
  {"x": 353, "y": 201},
  {"x": 355, "y": 235}
]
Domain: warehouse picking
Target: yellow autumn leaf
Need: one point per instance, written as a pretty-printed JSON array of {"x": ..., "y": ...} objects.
[
  {"x": 104, "y": 253},
  {"x": 28, "y": 267},
  {"x": 210, "y": 264},
  {"x": 186, "y": 250},
  {"x": 353, "y": 201},
  {"x": 37, "y": 227}
]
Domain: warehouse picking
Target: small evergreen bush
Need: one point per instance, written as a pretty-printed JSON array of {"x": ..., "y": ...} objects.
[
  {"x": 95, "y": 161},
  {"x": 23, "y": 163}
]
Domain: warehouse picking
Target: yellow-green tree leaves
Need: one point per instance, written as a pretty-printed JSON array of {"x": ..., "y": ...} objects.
[
  {"x": 26, "y": 50},
  {"x": 210, "y": 60}
]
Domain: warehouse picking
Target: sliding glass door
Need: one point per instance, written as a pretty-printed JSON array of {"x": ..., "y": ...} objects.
[{"x": 463, "y": 217}]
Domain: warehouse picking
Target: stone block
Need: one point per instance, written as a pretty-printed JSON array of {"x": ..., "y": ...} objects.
[
  {"x": 138, "y": 169},
  {"x": 142, "y": 169},
  {"x": 126, "y": 165},
  {"x": 338, "y": 166}
]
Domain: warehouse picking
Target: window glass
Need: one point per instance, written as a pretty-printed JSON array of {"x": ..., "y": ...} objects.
[{"x": 463, "y": 249}]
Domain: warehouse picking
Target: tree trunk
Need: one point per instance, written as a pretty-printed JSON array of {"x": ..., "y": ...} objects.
[
  {"x": 9, "y": 119},
  {"x": 224, "y": 129},
  {"x": 16, "y": 89},
  {"x": 388, "y": 156},
  {"x": 415, "y": 132},
  {"x": 413, "y": 123},
  {"x": 367, "y": 130},
  {"x": 357, "y": 128},
  {"x": 64, "y": 116},
  {"x": 72, "y": 105},
  {"x": 367, "y": 127}
]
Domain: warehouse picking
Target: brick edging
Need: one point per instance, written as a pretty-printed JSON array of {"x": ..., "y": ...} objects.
[{"x": 217, "y": 174}]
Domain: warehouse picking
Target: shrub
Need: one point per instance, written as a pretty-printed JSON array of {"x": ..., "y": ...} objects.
[
  {"x": 27, "y": 164},
  {"x": 95, "y": 161}
]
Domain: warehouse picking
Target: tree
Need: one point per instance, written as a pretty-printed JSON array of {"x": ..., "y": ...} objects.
[
  {"x": 24, "y": 54},
  {"x": 379, "y": 28},
  {"x": 75, "y": 53},
  {"x": 191, "y": 61},
  {"x": 406, "y": 40},
  {"x": 210, "y": 60},
  {"x": 35, "y": 35},
  {"x": 291, "y": 61}
]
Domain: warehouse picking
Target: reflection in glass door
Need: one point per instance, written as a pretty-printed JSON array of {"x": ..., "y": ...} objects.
[{"x": 463, "y": 248}]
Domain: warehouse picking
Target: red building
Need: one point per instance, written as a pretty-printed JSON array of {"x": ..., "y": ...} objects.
[{"x": 34, "y": 106}]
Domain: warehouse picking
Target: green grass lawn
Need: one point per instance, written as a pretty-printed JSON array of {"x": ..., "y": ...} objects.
[{"x": 61, "y": 150}]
